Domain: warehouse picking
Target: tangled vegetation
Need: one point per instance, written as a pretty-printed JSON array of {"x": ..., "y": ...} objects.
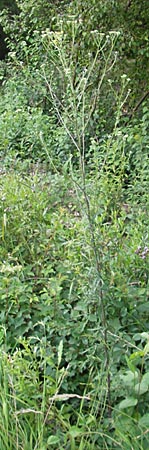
[{"x": 74, "y": 226}]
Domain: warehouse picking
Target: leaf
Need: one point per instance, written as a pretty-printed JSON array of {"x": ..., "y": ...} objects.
[
  {"x": 146, "y": 349},
  {"x": 52, "y": 440},
  {"x": 145, "y": 335},
  {"x": 141, "y": 336},
  {"x": 2, "y": 335},
  {"x": 144, "y": 307},
  {"x": 75, "y": 431},
  {"x": 60, "y": 351},
  {"x": 130, "y": 378},
  {"x": 128, "y": 402},
  {"x": 141, "y": 388},
  {"x": 144, "y": 420},
  {"x": 145, "y": 378},
  {"x": 130, "y": 365},
  {"x": 136, "y": 355}
]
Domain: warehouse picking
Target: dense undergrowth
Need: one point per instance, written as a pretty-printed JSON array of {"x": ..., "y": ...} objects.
[
  {"x": 74, "y": 255},
  {"x": 62, "y": 384}
]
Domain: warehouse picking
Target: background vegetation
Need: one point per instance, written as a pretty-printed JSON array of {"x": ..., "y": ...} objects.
[{"x": 74, "y": 227}]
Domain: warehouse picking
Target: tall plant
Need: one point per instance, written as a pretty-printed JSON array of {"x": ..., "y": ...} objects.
[{"x": 75, "y": 109}]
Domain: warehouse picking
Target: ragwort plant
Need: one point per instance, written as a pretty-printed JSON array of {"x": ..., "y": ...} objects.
[{"x": 108, "y": 172}]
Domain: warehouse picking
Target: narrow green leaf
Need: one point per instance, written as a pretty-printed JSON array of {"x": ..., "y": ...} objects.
[{"x": 60, "y": 351}]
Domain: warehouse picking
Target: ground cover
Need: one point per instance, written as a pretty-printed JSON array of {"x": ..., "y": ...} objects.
[{"x": 74, "y": 351}]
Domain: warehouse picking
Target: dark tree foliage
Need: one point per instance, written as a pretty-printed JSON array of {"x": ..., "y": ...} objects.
[
  {"x": 3, "y": 46},
  {"x": 12, "y": 9}
]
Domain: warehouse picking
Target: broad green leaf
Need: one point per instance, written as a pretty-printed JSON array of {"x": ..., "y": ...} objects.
[
  {"x": 75, "y": 431},
  {"x": 139, "y": 336},
  {"x": 141, "y": 388},
  {"x": 130, "y": 378},
  {"x": 144, "y": 420},
  {"x": 145, "y": 378},
  {"x": 145, "y": 335},
  {"x": 144, "y": 307},
  {"x": 115, "y": 323},
  {"x": 53, "y": 440},
  {"x": 128, "y": 402}
]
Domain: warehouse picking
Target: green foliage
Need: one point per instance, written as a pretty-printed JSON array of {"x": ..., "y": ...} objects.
[
  {"x": 50, "y": 291},
  {"x": 74, "y": 277},
  {"x": 130, "y": 18},
  {"x": 137, "y": 149},
  {"x": 130, "y": 54}
]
